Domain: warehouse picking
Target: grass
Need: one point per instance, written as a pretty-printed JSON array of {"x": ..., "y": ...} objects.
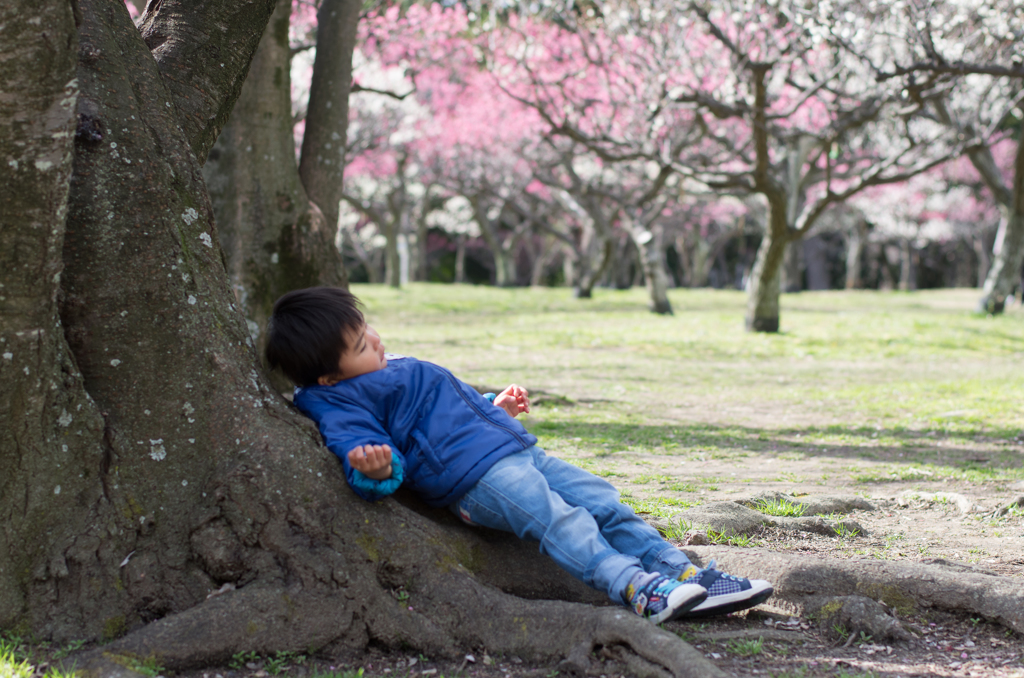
[
  {"x": 781, "y": 507},
  {"x": 660, "y": 507},
  {"x": 746, "y": 648},
  {"x": 920, "y": 361},
  {"x": 730, "y": 539},
  {"x": 15, "y": 664},
  {"x": 872, "y": 387}
]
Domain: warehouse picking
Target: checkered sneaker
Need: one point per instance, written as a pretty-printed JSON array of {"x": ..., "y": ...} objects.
[
  {"x": 660, "y": 598},
  {"x": 726, "y": 592}
]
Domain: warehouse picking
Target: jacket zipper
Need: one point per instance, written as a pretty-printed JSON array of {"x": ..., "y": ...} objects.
[{"x": 472, "y": 405}]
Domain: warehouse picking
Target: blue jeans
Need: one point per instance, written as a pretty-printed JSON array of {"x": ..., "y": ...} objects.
[{"x": 576, "y": 516}]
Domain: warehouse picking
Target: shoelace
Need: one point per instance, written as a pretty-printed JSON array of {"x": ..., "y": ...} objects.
[
  {"x": 723, "y": 575},
  {"x": 664, "y": 587}
]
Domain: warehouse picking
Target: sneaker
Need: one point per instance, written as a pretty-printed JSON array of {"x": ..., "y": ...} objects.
[
  {"x": 660, "y": 598},
  {"x": 726, "y": 592}
]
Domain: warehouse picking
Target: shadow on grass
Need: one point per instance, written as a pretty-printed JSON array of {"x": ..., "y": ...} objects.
[{"x": 897, "y": 446}]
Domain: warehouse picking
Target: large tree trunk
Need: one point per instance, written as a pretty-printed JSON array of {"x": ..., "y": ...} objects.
[
  {"x": 274, "y": 238},
  {"x": 322, "y": 165},
  {"x": 52, "y": 448},
  {"x": 1005, "y": 274}
]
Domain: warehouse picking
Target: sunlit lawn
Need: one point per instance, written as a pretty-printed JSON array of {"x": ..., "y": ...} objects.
[
  {"x": 912, "y": 378},
  {"x": 894, "y": 359}
]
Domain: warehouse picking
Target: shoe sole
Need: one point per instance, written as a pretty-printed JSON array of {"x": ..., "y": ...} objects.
[
  {"x": 758, "y": 592},
  {"x": 683, "y": 599}
]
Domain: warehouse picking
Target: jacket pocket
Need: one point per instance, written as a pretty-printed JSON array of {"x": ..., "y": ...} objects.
[{"x": 427, "y": 451}]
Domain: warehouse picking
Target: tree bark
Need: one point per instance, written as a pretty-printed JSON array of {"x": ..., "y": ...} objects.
[
  {"x": 703, "y": 256},
  {"x": 52, "y": 449},
  {"x": 855, "y": 239},
  {"x": 203, "y": 51},
  {"x": 322, "y": 165},
  {"x": 460, "y": 258},
  {"x": 422, "y": 234},
  {"x": 1008, "y": 251},
  {"x": 594, "y": 251},
  {"x": 274, "y": 238},
  {"x": 594, "y": 256},
  {"x": 501, "y": 248},
  {"x": 549, "y": 249},
  {"x": 392, "y": 229},
  {"x": 908, "y": 267},
  {"x": 650, "y": 245},
  {"x": 765, "y": 277}
]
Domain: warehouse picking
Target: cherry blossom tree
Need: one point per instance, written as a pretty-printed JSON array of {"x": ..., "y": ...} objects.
[
  {"x": 746, "y": 97},
  {"x": 964, "y": 61}
]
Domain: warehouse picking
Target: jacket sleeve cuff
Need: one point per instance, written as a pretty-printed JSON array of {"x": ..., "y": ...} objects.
[{"x": 381, "y": 488}]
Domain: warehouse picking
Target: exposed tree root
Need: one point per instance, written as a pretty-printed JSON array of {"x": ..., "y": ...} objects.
[
  {"x": 804, "y": 582},
  {"x": 855, "y": 615},
  {"x": 252, "y": 619},
  {"x": 1015, "y": 504},
  {"x": 467, "y": 615},
  {"x": 542, "y": 630},
  {"x": 963, "y": 504}
]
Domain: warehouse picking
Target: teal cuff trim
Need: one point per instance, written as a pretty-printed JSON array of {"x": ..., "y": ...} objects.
[
  {"x": 381, "y": 487},
  {"x": 490, "y": 396}
]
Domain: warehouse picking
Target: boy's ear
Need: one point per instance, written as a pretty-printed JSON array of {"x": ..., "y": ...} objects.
[{"x": 328, "y": 379}]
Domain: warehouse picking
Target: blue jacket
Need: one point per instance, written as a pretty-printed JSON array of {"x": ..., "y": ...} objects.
[{"x": 443, "y": 434}]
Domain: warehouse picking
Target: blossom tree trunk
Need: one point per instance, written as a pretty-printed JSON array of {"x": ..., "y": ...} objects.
[
  {"x": 502, "y": 248},
  {"x": 1008, "y": 250},
  {"x": 274, "y": 238},
  {"x": 649, "y": 241},
  {"x": 856, "y": 239},
  {"x": 52, "y": 443},
  {"x": 322, "y": 165}
]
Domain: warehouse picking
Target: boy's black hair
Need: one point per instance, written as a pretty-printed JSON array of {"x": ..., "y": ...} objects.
[{"x": 306, "y": 333}]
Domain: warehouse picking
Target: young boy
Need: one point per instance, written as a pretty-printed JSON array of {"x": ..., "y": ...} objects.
[{"x": 395, "y": 420}]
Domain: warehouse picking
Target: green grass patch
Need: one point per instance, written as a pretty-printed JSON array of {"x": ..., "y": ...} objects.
[
  {"x": 15, "y": 663},
  {"x": 780, "y": 507},
  {"x": 659, "y": 507},
  {"x": 747, "y": 647}
]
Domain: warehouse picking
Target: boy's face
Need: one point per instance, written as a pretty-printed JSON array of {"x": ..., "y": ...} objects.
[{"x": 364, "y": 355}]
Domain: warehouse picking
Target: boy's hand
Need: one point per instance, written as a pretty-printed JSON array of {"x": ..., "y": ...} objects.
[
  {"x": 373, "y": 461},
  {"x": 514, "y": 400}
]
